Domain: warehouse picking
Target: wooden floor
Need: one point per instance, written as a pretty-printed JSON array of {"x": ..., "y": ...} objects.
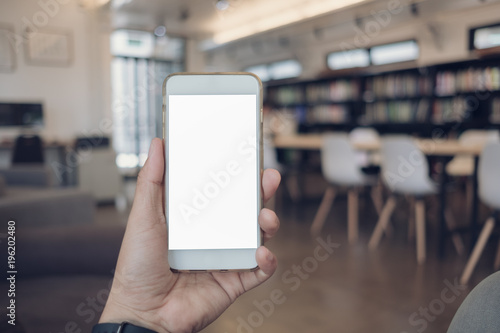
[
  {"x": 352, "y": 289},
  {"x": 317, "y": 288}
]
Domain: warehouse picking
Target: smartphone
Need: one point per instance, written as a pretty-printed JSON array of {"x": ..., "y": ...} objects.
[{"x": 213, "y": 148}]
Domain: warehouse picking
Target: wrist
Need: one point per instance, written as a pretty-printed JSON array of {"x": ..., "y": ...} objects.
[
  {"x": 124, "y": 327},
  {"x": 115, "y": 314}
]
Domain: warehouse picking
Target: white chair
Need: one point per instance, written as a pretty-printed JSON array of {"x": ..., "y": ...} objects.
[
  {"x": 405, "y": 172},
  {"x": 360, "y": 136},
  {"x": 338, "y": 162},
  {"x": 463, "y": 165},
  {"x": 489, "y": 193},
  {"x": 271, "y": 161},
  {"x": 270, "y": 156}
]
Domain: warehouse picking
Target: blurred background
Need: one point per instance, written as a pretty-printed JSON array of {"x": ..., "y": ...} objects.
[{"x": 381, "y": 115}]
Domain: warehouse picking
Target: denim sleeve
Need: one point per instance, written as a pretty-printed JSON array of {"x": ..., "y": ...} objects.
[{"x": 480, "y": 311}]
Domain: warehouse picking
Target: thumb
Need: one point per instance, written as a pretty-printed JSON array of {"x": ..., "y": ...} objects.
[
  {"x": 144, "y": 247},
  {"x": 148, "y": 204}
]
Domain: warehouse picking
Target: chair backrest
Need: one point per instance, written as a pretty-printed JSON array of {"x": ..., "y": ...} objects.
[
  {"x": 473, "y": 137},
  {"x": 489, "y": 175},
  {"x": 270, "y": 156},
  {"x": 338, "y": 161},
  {"x": 28, "y": 149},
  {"x": 404, "y": 166},
  {"x": 364, "y": 135}
]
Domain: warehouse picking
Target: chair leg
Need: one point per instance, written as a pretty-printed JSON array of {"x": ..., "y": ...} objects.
[
  {"x": 323, "y": 210},
  {"x": 411, "y": 219},
  {"x": 292, "y": 184},
  {"x": 420, "y": 228},
  {"x": 382, "y": 222},
  {"x": 478, "y": 250},
  {"x": 376, "y": 195},
  {"x": 451, "y": 223},
  {"x": 469, "y": 193},
  {"x": 352, "y": 215},
  {"x": 496, "y": 265}
]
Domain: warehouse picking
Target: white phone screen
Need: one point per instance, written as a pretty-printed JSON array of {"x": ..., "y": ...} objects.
[{"x": 212, "y": 172}]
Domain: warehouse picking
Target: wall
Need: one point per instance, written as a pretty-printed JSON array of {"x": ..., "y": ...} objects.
[
  {"x": 441, "y": 29},
  {"x": 75, "y": 97}
]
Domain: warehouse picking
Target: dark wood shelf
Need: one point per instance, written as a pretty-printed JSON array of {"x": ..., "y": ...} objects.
[{"x": 475, "y": 116}]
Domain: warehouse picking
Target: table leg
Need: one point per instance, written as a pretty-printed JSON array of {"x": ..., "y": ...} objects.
[
  {"x": 475, "y": 204},
  {"x": 442, "y": 205}
]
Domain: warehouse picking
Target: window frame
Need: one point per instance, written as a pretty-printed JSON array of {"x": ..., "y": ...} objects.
[
  {"x": 472, "y": 32},
  {"x": 368, "y": 49}
]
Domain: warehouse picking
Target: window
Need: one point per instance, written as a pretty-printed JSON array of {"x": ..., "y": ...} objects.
[
  {"x": 278, "y": 70},
  {"x": 285, "y": 69},
  {"x": 395, "y": 52},
  {"x": 376, "y": 55},
  {"x": 141, "y": 63},
  {"x": 485, "y": 37},
  {"x": 348, "y": 59},
  {"x": 129, "y": 43}
]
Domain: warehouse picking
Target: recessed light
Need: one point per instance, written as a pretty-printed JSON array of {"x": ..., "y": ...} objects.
[
  {"x": 222, "y": 5},
  {"x": 160, "y": 31}
]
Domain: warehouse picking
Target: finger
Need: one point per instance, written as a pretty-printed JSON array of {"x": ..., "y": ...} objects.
[
  {"x": 269, "y": 223},
  {"x": 267, "y": 266},
  {"x": 146, "y": 232},
  {"x": 267, "y": 263},
  {"x": 270, "y": 182},
  {"x": 148, "y": 199}
]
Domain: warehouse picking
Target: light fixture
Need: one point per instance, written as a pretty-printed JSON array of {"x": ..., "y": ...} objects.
[
  {"x": 160, "y": 31},
  {"x": 282, "y": 18},
  {"x": 222, "y": 5},
  {"x": 117, "y": 4},
  {"x": 93, "y": 4}
]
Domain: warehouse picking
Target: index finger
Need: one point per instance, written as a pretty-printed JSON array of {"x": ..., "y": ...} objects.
[{"x": 270, "y": 182}]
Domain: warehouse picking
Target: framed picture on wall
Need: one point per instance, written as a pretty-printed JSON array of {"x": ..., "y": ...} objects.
[
  {"x": 7, "y": 52},
  {"x": 49, "y": 48}
]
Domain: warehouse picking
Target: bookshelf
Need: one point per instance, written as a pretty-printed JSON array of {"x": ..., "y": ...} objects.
[
  {"x": 452, "y": 97},
  {"x": 320, "y": 104},
  {"x": 465, "y": 93},
  {"x": 495, "y": 111},
  {"x": 400, "y": 97}
]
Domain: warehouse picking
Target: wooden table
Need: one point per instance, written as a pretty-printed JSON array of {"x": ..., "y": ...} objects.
[
  {"x": 440, "y": 148},
  {"x": 431, "y": 147}
]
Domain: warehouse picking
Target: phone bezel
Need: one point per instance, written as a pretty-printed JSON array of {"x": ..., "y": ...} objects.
[{"x": 230, "y": 83}]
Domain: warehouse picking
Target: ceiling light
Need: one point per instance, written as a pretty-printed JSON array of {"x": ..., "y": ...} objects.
[
  {"x": 284, "y": 17},
  {"x": 116, "y": 4},
  {"x": 222, "y": 5},
  {"x": 93, "y": 4},
  {"x": 160, "y": 31}
]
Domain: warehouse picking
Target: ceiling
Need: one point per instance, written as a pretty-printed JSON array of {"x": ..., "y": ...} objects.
[{"x": 201, "y": 19}]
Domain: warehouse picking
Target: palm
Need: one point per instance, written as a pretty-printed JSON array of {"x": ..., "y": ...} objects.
[{"x": 199, "y": 299}]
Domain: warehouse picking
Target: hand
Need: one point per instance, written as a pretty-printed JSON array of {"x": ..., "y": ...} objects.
[{"x": 146, "y": 292}]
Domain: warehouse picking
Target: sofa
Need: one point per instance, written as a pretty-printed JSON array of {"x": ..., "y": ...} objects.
[
  {"x": 27, "y": 196},
  {"x": 64, "y": 260}
]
